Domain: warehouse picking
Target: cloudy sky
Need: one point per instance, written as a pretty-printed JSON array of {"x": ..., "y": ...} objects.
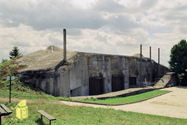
[{"x": 100, "y": 26}]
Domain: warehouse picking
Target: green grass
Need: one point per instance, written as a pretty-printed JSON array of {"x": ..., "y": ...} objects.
[
  {"x": 72, "y": 115},
  {"x": 128, "y": 99},
  {"x": 31, "y": 95}
]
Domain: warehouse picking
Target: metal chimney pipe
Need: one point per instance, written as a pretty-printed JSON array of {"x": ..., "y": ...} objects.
[
  {"x": 150, "y": 65},
  {"x": 158, "y": 62},
  {"x": 64, "y": 34},
  {"x": 140, "y": 65}
]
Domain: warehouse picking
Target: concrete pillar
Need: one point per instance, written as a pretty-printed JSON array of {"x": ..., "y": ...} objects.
[
  {"x": 64, "y": 36},
  {"x": 140, "y": 65},
  {"x": 150, "y": 65},
  {"x": 158, "y": 62}
]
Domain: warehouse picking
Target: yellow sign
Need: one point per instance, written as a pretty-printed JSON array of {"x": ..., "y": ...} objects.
[{"x": 21, "y": 110}]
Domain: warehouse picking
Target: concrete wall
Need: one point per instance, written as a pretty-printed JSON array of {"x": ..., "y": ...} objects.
[{"x": 73, "y": 80}]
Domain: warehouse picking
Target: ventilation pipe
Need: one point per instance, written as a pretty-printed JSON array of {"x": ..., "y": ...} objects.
[
  {"x": 64, "y": 33},
  {"x": 150, "y": 65},
  {"x": 141, "y": 65},
  {"x": 64, "y": 60}
]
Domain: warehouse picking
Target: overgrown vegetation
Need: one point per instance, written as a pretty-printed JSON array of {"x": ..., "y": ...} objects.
[
  {"x": 10, "y": 68},
  {"x": 126, "y": 100}
]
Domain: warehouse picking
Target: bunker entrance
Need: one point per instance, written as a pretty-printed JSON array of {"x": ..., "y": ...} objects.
[
  {"x": 132, "y": 82},
  {"x": 96, "y": 85},
  {"x": 117, "y": 83}
]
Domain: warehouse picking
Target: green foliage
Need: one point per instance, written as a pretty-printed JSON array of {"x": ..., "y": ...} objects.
[
  {"x": 178, "y": 59},
  {"x": 4, "y": 60},
  {"x": 9, "y": 68},
  {"x": 14, "y": 52}
]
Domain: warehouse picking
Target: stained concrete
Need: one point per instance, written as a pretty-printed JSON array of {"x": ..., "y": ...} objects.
[{"x": 72, "y": 78}]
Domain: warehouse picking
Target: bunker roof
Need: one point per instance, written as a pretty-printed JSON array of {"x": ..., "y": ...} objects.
[
  {"x": 44, "y": 59},
  {"x": 49, "y": 58}
]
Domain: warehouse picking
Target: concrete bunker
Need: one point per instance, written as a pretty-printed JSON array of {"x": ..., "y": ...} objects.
[{"x": 83, "y": 73}]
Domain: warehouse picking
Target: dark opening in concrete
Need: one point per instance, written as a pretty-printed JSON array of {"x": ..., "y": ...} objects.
[
  {"x": 117, "y": 83},
  {"x": 96, "y": 85},
  {"x": 132, "y": 82}
]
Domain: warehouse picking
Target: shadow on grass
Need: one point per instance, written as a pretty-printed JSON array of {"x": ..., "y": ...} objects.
[{"x": 40, "y": 122}]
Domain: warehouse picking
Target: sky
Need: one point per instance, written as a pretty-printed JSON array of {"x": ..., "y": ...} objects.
[{"x": 99, "y": 26}]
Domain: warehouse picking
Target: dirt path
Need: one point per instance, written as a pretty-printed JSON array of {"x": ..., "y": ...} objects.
[{"x": 173, "y": 104}]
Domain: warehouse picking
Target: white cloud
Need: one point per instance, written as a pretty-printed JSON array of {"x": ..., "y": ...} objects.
[{"x": 104, "y": 26}]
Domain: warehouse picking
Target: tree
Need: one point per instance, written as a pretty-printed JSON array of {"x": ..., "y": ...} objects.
[
  {"x": 178, "y": 60},
  {"x": 14, "y": 53}
]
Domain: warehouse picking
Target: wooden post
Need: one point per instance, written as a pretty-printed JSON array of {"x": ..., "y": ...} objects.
[
  {"x": 10, "y": 91},
  {"x": 64, "y": 32},
  {"x": 150, "y": 66},
  {"x": 140, "y": 65}
]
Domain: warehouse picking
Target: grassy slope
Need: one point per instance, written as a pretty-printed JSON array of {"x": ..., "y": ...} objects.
[
  {"x": 128, "y": 99},
  {"x": 72, "y": 115}
]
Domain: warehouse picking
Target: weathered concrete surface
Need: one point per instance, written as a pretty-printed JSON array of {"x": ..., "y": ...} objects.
[
  {"x": 168, "y": 78},
  {"x": 72, "y": 78},
  {"x": 44, "y": 59}
]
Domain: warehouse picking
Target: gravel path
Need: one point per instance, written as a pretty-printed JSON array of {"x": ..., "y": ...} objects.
[{"x": 173, "y": 104}]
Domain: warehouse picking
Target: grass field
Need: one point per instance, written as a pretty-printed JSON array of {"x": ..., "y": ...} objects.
[
  {"x": 72, "y": 115},
  {"x": 128, "y": 99}
]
